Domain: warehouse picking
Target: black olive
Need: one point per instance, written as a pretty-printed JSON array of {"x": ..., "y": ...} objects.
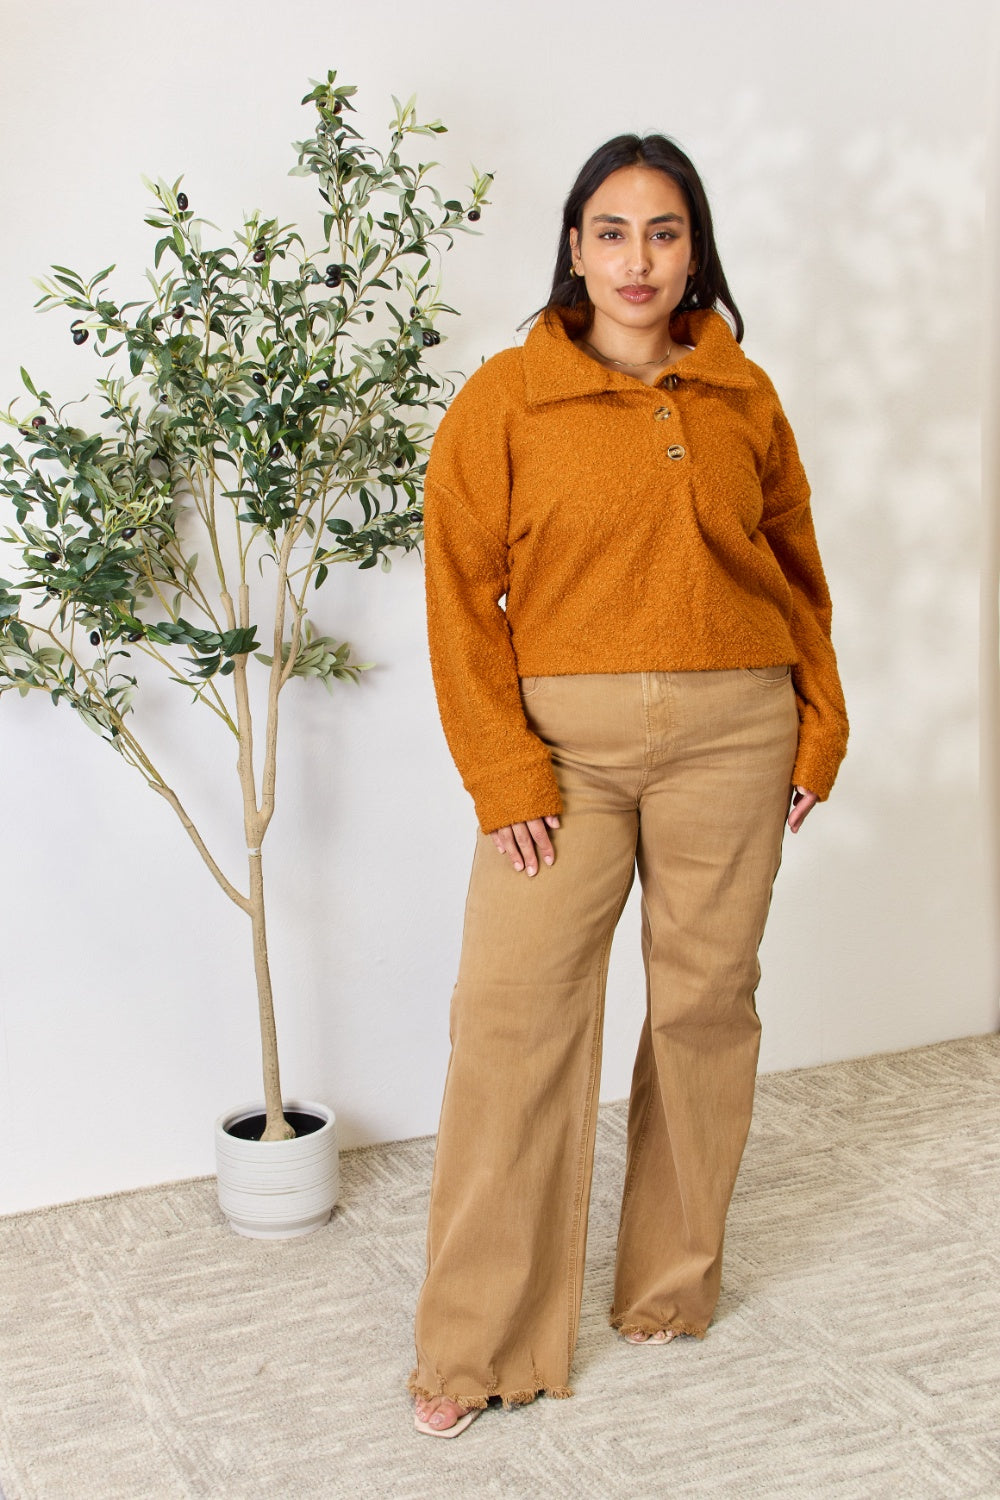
[
  {"x": 135, "y": 636},
  {"x": 431, "y": 337},
  {"x": 179, "y": 311},
  {"x": 337, "y": 106},
  {"x": 260, "y": 256},
  {"x": 38, "y": 421},
  {"x": 259, "y": 243},
  {"x": 182, "y": 201},
  {"x": 414, "y": 312},
  {"x": 275, "y": 450},
  {"x": 95, "y": 638},
  {"x": 52, "y": 589},
  {"x": 52, "y": 557},
  {"x": 128, "y": 533},
  {"x": 323, "y": 385},
  {"x": 258, "y": 378},
  {"x": 80, "y": 335},
  {"x": 474, "y": 215},
  {"x": 334, "y": 275}
]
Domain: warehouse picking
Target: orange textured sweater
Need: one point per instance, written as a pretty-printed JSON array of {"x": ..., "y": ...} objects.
[{"x": 579, "y": 521}]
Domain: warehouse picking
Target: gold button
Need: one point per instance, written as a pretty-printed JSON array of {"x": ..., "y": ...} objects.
[
  {"x": 662, "y": 413},
  {"x": 671, "y": 382},
  {"x": 675, "y": 451}
]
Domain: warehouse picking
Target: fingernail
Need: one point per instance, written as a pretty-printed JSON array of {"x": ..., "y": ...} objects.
[
  {"x": 518, "y": 866},
  {"x": 548, "y": 859},
  {"x": 531, "y": 870}
]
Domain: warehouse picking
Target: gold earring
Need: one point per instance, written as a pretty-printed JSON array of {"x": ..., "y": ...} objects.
[{"x": 573, "y": 271}]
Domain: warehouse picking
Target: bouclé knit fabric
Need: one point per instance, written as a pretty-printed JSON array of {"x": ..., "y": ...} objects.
[{"x": 580, "y": 521}]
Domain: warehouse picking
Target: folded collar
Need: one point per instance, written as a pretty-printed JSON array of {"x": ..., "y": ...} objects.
[{"x": 555, "y": 369}]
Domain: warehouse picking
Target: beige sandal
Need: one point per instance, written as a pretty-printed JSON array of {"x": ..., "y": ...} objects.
[{"x": 455, "y": 1430}]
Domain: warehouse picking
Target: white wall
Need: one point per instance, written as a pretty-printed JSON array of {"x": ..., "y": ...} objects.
[{"x": 844, "y": 149}]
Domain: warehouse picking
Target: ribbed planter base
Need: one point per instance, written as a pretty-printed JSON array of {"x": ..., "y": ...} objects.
[{"x": 277, "y": 1189}]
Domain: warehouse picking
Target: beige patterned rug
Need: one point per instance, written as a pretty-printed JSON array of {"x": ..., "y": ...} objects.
[{"x": 147, "y": 1353}]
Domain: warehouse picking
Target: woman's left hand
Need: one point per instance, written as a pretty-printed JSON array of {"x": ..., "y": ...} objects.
[{"x": 803, "y": 802}]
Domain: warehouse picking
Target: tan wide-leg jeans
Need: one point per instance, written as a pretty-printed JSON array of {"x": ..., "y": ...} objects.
[{"x": 685, "y": 776}]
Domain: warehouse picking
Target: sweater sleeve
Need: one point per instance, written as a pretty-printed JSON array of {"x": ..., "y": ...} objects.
[
  {"x": 787, "y": 527},
  {"x": 506, "y": 768}
]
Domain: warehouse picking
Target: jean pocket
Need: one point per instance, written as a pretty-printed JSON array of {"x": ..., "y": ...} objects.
[{"x": 769, "y": 674}]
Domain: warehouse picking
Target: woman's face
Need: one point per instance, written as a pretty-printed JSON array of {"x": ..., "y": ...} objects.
[{"x": 634, "y": 248}]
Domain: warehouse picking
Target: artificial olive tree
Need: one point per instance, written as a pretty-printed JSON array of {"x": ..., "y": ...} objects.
[{"x": 263, "y": 416}]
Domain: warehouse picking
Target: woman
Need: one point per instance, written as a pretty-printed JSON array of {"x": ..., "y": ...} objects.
[{"x": 629, "y": 629}]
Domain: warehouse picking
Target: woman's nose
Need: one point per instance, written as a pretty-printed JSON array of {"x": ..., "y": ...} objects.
[{"x": 638, "y": 259}]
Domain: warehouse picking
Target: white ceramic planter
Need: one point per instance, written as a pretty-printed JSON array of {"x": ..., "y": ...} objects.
[{"x": 276, "y": 1189}]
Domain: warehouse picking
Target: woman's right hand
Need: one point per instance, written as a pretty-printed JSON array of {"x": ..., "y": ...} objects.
[{"x": 526, "y": 843}]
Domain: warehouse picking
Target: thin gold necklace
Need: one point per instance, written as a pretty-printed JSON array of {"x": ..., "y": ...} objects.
[{"x": 634, "y": 364}]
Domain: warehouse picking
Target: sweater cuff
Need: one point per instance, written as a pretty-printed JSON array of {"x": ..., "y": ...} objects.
[
  {"x": 510, "y": 794},
  {"x": 815, "y": 769}
]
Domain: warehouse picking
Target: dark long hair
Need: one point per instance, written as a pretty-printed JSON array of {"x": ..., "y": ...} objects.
[{"x": 707, "y": 287}]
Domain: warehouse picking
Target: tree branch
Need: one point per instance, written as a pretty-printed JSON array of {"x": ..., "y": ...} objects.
[{"x": 171, "y": 796}]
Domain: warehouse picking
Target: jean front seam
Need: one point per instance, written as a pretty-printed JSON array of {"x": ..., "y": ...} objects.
[
  {"x": 636, "y": 1152},
  {"x": 573, "y": 1279},
  {"x": 451, "y": 1053},
  {"x": 647, "y": 735}
]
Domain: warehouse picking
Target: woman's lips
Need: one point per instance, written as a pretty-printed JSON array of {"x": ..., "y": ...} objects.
[{"x": 637, "y": 293}]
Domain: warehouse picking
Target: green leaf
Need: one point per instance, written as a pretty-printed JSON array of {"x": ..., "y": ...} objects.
[
  {"x": 238, "y": 642},
  {"x": 9, "y": 603},
  {"x": 207, "y": 667}
]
